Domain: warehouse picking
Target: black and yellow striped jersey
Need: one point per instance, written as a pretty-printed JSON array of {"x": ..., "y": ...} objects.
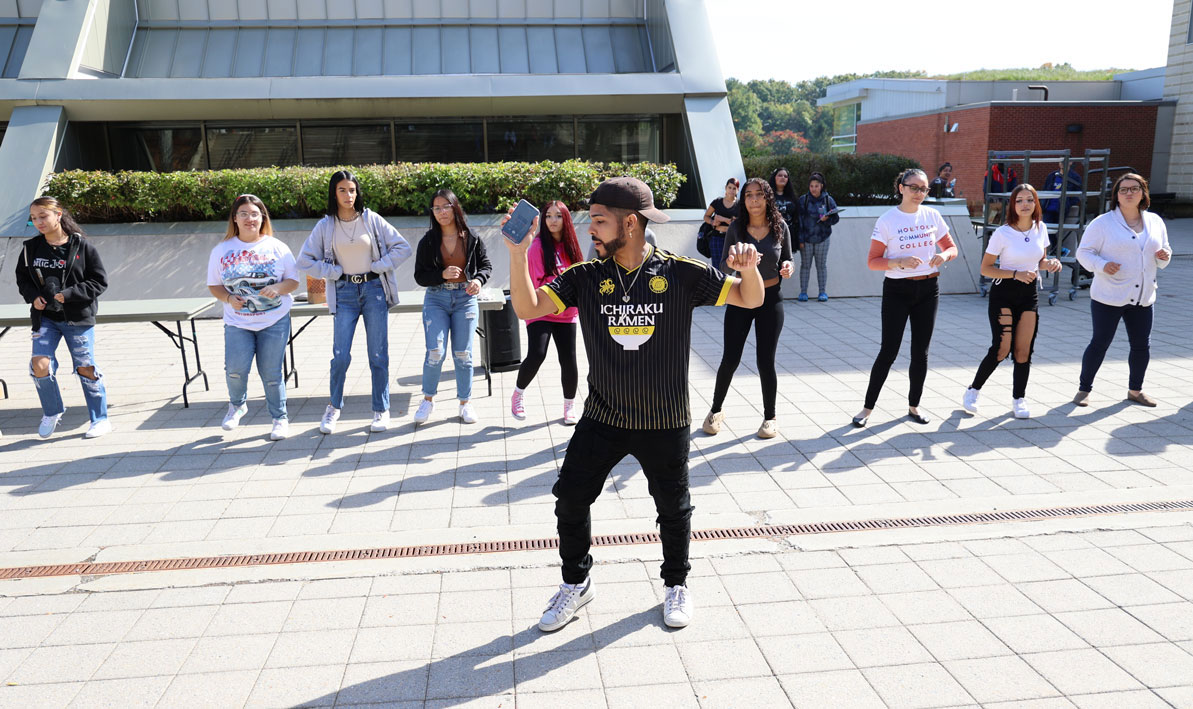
[{"x": 637, "y": 328}]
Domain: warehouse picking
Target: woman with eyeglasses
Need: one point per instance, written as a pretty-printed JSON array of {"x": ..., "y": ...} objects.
[
  {"x": 452, "y": 264},
  {"x": 1020, "y": 246},
  {"x": 253, "y": 274},
  {"x": 1124, "y": 248},
  {"x": 910, "y": 242},
  {"x": 357, "y": 253}
]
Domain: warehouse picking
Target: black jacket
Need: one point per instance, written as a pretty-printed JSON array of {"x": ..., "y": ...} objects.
[
  {"x": 82, "y": 284},
  {"x": 428, "y": 262}
]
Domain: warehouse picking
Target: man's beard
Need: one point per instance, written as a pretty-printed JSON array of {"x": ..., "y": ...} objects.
[{"x": 614, "y": 246}]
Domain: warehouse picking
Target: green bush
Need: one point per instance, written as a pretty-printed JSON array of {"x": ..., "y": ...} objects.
[
  {"x": 851, "y": 179},
  {"x": 402, "y": 189}
]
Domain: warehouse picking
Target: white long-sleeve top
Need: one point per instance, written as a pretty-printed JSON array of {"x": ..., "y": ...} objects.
[{"x": 1108, "y": 239}]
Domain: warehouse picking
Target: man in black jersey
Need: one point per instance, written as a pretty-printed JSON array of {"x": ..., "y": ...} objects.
[{"x": 635, "y": 304}]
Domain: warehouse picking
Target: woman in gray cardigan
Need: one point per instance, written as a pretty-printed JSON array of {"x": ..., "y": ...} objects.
[{"x": 357, "y": 253}]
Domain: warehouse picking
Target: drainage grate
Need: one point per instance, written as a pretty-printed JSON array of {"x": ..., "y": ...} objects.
[{"x": 763, "y": 531}]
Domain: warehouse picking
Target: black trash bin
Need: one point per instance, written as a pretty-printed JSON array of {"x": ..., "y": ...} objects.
[{"x": 503, "y": 342}]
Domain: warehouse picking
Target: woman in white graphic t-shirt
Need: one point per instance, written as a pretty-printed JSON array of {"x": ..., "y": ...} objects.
[
  {"x": 1019, "y": 246},
  {"x": 909, "y": 243}
]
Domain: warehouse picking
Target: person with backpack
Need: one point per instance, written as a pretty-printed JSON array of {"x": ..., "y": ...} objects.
[
  {"x": 717, "y": 218},
  {"x": 815, "y": 214}
]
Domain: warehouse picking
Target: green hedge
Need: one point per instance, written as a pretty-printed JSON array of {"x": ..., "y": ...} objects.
[
  {"x": 852, "y": 179},
  {"x": 402, "y": 189}
]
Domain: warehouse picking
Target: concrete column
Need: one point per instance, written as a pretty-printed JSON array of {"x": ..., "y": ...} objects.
[
  {"x": 26, "y": 158},
  {"x": 58, "y": 39}
]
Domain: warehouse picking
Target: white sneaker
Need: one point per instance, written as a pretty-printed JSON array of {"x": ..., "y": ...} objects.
[
  {"x": 467, "y": 413},
  {"x": 380, "y": 422},
  {"x": 48, "y": 424},
  {"x": 570, "y": 416},
  {"x": 425, "y": 407},
  {"x": 1019, "y": 406},
  {"x": 232, "y": 418},
  {"x": 331, "y": 416},
  {"x": 712, "y": 423},
  {"x": 563, "y": 605},
  {"x": 969, "y": 402},
  {"x": 98, "y": 428},
  {"x": 769, "y": 429},
  {"x": 677, "y": 607},
  {"x": 517, "y": 408},
  {"x": 281, "y": 429}
]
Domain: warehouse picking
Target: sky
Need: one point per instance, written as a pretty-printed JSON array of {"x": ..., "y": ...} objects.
[{"x": 796, "y": 40}]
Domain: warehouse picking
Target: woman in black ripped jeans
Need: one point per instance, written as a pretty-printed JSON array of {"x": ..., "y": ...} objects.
[
  {"x": 904, "y": 244},
  {"x": 763, "y": 227}
]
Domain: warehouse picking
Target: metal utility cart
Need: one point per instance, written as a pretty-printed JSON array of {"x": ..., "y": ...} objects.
[{"x": 1076, "y": 204}]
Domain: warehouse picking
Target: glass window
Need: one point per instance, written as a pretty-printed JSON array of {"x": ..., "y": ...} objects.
[
  {"x": 619, "y": 139},
  {"x": 531, "y": 140},
  {"x": 252, "y": 146},
  {"x": 439, "y": 141},
  {"x": 156, "y": 148},
  {"x": 346, "y": 145},
  {"x": 845, "y": 120}
]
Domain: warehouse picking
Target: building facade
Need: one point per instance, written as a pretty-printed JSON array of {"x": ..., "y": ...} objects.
[
  {"x": 212, "y": 84},
  {"x": 1178, "y": 86}
]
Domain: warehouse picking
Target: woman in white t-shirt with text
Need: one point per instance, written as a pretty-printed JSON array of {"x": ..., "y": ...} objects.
[
  {"x": 253, "y": 274},
  {"x": 904, "y": 245},
  {"x": 1019, "y": 246}
]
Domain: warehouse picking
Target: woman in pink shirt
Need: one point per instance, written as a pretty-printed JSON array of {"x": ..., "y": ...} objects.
[{"x": 553, "y": 251}]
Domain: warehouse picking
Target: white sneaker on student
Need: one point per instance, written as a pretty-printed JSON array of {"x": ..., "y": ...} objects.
[
  {"x": 331, "y": 416},
  {"x": 425, "y": 407},
  {"x": 98, "y": 428},
  {"x": 48, "y": 424},
  {"x": 677, "y": 607},
  {"x": 380, "y": 422},
  {"x": 563, "y": 605},
  {"x": 467, "y": 413},
  {"x": 517, "y": 408},
  {"x": 1019, "y": 406},
  {"x": 281, "y": 429},
  {"x": 969, "y": 402},
  {"x": 232, "y": 418},
  {"x": 570, "y": 416}
]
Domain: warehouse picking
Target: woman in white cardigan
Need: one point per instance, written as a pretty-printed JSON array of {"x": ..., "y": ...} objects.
[{"x": 1124, "y": 248}]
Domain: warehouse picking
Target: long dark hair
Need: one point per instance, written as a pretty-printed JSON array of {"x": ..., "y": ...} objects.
[
  {"x": 773, "y": 217},
  {"x": 788, "y": 189},
  {"x": 66, "y": 222},
  {"x": 333, "y": 204},
  {"x": 571, "y": 245},
  {"x": 457, "y": 212}
]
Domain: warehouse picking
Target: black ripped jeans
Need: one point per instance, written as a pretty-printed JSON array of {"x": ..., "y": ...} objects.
[{"x": 903, "y": 300}]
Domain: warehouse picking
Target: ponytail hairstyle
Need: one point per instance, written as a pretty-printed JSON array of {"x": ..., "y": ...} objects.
[
  {"x": 266, "y": 228},
  {"x": 571, "y": 245},
  {"x": 908, "y": 173},
  {"x": 67, "y": 223}
]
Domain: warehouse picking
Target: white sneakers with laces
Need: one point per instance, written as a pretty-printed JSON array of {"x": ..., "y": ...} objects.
[
  {"x": 969, "y": 401},
  {"x": 99, "y": 428},
  {"x": 1019, "y": 406},
  {"x": 570, "y": 415},
  {"x": 677, "y": 607},
  {"x": 331, "y": 416},
  {"x": 380, "y": 422},
  {"x": 563, "y": 605},
  {"x": 281, "y": 430},
  {"x": 48, "y": 424},
  {"x": 467, "y": 413},
  {"x": 425, "y": 407},
  {"x": 232, "y": 418}
]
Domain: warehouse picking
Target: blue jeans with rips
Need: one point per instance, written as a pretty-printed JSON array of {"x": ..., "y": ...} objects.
[
  {"x": 449, "y": 312},
  {"x": 80, "y": 341},
  {"x": 268, "y": 346}
]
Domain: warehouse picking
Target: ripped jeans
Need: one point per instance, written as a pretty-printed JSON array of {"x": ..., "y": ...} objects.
[
  {"x": 449, "y": 311},
  {"x": 354, "y": 301},
  {"x": 80, "y": 340},
  {"x": 269, "y": 347}
]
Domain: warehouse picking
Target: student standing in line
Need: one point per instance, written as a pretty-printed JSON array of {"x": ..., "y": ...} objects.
[
  {"x": 452, "y": 265},
  {"x": 762, "y": 227},
  {"x": 1124, "y": 248},
  {"x": 815, "y": 215},
  {"x": 1020, "y": 246},
  {"x": 785, "y": 201},
  {"x": 59, "y": 273},
  {"x": 553, "y": 251},
  {"x": 719, "y": 215},
  {"x": 635, "y": 306},
  {"x": 253, "y": 274},
  {"x": 357, "y": 253},
  {"x": 904, "y": 244}
]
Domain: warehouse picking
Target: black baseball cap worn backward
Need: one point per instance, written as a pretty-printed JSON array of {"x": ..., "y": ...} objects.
[{"x": 628, "y": 193}]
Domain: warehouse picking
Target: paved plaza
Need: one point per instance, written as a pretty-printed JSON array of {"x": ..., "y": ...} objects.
[{"x": 1075, "y": 611}]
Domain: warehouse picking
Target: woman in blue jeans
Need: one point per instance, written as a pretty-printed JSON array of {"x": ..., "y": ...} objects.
[
  {"x": 60, "y": 275},
  {"x": 253, "y": 274},
  {"x": 452, "y": 264},
  {"x": 357, "y": 253},
  {"x": 1124, "y": 248}
]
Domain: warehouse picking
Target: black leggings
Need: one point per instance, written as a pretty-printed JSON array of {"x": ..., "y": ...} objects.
[
  {"x": 904, "y": 299},
  {"x": 767, "y": 320},
  {"x": 1016, "y": 298},
  {"x": 538, "y": 335}
]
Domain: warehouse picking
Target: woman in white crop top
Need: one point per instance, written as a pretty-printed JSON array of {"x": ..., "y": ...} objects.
[{"x": 1020, "y": 246}]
